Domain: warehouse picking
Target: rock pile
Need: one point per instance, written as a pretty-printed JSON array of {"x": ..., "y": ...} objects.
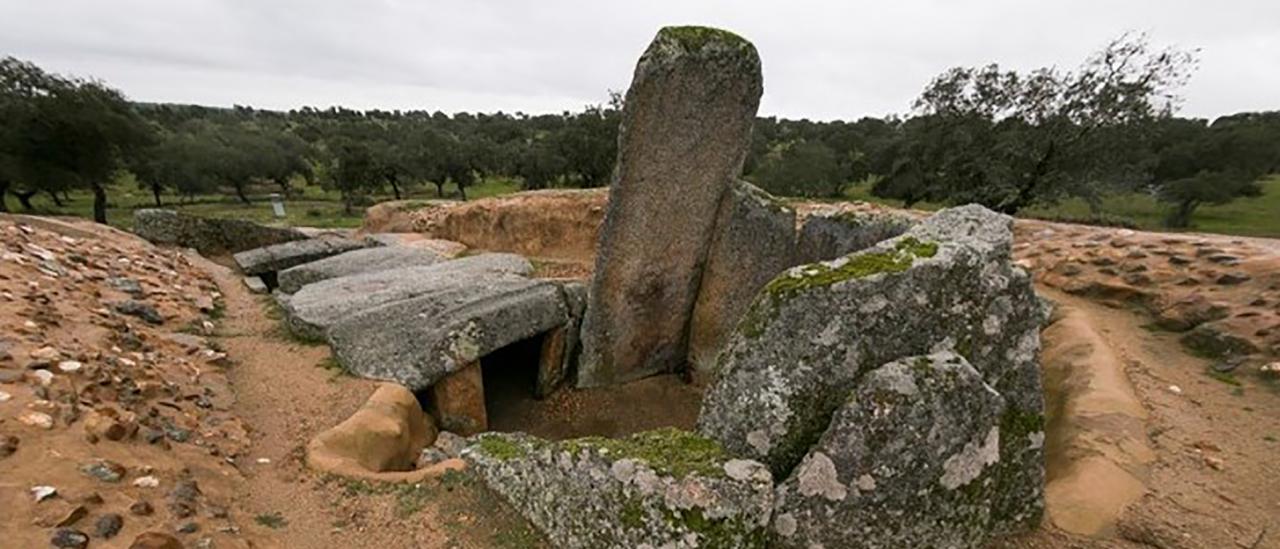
[{"x": 108, "y": 392}]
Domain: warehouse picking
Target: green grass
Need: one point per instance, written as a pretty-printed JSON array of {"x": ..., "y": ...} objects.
[
  {"x": 274, "y": 521},
  {"x": 1246, "y": 216},
  {"x": 310, "y": 206}
]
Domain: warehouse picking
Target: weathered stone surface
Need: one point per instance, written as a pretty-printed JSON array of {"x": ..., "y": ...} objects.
[
  {"x": 386, "y": 434},
  {"x": 665, "y": 488},
  {"x": 685, "y": 131},
  {"x": 457, "y": 401},
  {"x": 564, "y": 342},
  {"x": 355, "y": 262},
  {"x": 755, "y": 237},
  {"x": 908, "y": 461},
  {"x": 814, "y": 331},
  {"x": 278, "y": 257},
  {"x": 208, "y": 235},
  {"x": 419, "y": 340},
  {"x": 1215, "y": 339},
  {"x": 833, "y": 232},
  {"x": 314, "y": 308}
]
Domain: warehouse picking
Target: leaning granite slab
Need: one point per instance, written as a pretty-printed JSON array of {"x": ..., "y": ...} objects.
[
  {"x": 419, "y": 340},
  {"x": 754, "y": 242},
  {"x": 813, "y": 332},
  {"x": 208, "y": 235},
  {"x": 685, "y": 131},
  {"x": 278, "y": 257},
  {"x": 314, "y": 308},
  {"x": 907, "y": 461},
  {"x": 664, "y": 488},
  {"x": 366, "y": 260},
  {"x": 833, "y": 231}
]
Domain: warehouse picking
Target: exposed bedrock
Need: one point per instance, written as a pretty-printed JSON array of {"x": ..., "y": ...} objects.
[
  {"x": 816, "y": 330},
  {"x": 664, "y": 488},
  {"x": 368, "y": 260}
]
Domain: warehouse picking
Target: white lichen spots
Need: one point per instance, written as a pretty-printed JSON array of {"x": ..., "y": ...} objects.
[
  {"x": 623, "y": 470},
  {"x": 896, "y": 378},
  {"x": 463, "y": 346},
  {"x": 960, "y": 469},
  {"x": 647, "y": 481},
  {"x": 1035, "y": 440},
  {"x": 991, "y": 325},
  {"x": 873, "y": 305},
  {"x": 865, "y": 483},
  {"x": 785, "y": 524},
  {"x": 830, "y": 335},
  {"x": 1026, "y": 348},
  {"x": 818, "y": 476},
  {"x": 759, "y": 441},
  {"x": 743, "y": 469},
  {"x": 921, "y": 299}
]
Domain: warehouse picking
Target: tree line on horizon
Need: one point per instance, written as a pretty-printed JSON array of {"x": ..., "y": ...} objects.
[{"x": 1004, "y": 139}]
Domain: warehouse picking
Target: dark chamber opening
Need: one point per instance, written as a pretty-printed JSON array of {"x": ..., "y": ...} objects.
[{"x": 510, "y": 377}]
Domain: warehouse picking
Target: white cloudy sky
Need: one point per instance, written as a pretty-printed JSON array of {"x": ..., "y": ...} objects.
[{"x": 822, "y": 60}]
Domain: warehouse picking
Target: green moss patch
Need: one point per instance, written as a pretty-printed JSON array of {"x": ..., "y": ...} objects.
[
  {"x": 668, "y": 451},
  {"x": 694, "y": 37},
  {"x": 500, "y": 448}
]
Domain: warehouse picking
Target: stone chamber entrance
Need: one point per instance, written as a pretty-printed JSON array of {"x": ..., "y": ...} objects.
[{"x": 504, "y": 391}]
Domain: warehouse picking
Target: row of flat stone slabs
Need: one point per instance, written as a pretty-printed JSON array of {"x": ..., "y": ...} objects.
[{"x": 413, "y": 316}]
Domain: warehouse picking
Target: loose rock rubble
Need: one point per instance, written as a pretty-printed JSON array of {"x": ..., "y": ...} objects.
[{"x": 100, "y": 388}]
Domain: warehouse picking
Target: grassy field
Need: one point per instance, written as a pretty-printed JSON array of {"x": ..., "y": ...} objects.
[
  {"x": 312, "y": 206},
  {"x": 1247, "y": 216}
]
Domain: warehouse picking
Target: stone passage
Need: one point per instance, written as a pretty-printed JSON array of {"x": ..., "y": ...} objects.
[
  {"x": 208, "y": 235},
  {"x": 686, "y": 127}
]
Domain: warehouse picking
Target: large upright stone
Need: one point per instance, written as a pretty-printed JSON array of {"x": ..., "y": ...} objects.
[
  {"x": 908, "y": 461},
  {"x": 754, "y": 241},
  {"x": 832, "y": 231},
  {"x": 686, "y": 128},
  {"x": 809, "y": 337}
]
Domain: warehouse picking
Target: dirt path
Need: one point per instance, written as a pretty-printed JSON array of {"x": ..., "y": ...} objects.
[
  {"x": 285, "y": 394},
  {"x": 1213, "y": 483}
]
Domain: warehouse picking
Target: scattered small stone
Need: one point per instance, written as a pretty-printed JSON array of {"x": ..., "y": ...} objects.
[
  {"x": 1214, "y": 462},
  {"x": 1231, "y": 279},
  {"x": 108, "y": 525},
  {"x": 72, "y": 516},
  {"x": 5, "y": 397},
  {"x": 104, "y": 470},
  {"x": 148, "y": 481},
  {"x": 155, "y": 540},
  {"x": 141, "y": 310},
  {"x": 93, "y": 498},
  {"x": 204, "y": 543},
  {"x": 1271, "y": 370},
  {"x": 70, "y": 366},
  {"x": 1175, "y": 389},
  {"x": 37, "y": 419},
  {"x": 190, "y": 527},
  {"x": 41, "y": 493},
  {"x": 44, "y": 377},
  {"x": 46, "y": 354},
  {"x": 141, "y": 508},
  {"x": 67, "y": 538},
  {"x": 1179, "y": 260},
  {"x": 8, "y": 445}
]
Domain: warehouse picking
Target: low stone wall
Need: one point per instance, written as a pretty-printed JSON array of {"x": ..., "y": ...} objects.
[{"x": 208, "y": 235}]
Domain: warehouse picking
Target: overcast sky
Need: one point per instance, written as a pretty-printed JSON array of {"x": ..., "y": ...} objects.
[{"x": 822, "y": 60}]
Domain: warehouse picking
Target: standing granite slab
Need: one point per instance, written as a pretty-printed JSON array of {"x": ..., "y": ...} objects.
[
  {"x": 664, "y": 488},
  {"x": 908, "y": 461},
  {"x": 278, "y": 257},
  {"x": 685, "y": 131},
  {"x": 419, "y": 340},
  {"x": 313, "y": 309},
  {"x": 367, "y": 260},
  {"x": 754, "y": 241},
  {"x": 813, "y": 332}
]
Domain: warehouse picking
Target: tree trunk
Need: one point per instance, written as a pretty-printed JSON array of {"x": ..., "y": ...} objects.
[
  {"x": 240, "y": 193},
  {"x": 395, "y": 186},
  {"x": 57, "y": 200},
  {"x": 99, "y": 203},
  {"x": 24, "y": 198},
  {"x": 155, "y": 192},
  {"x": 462, "y": 191},
  {"x": 440, "y": 190},
  {"x": 284, "y": 186},
  {"x": 4, "y": 189},
  {"x": 1180, "y": 217},
  {"x": 346, "y": 203}
]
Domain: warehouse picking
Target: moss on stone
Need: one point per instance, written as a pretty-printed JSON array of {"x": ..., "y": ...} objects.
[
  {"x": 632, "y": 514},
  {"x": 694, "y": 37},
  {"x": 668, "y": 451},
  {"x": 499, "y": 448},
  {"x": 721, "y": 533}
]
